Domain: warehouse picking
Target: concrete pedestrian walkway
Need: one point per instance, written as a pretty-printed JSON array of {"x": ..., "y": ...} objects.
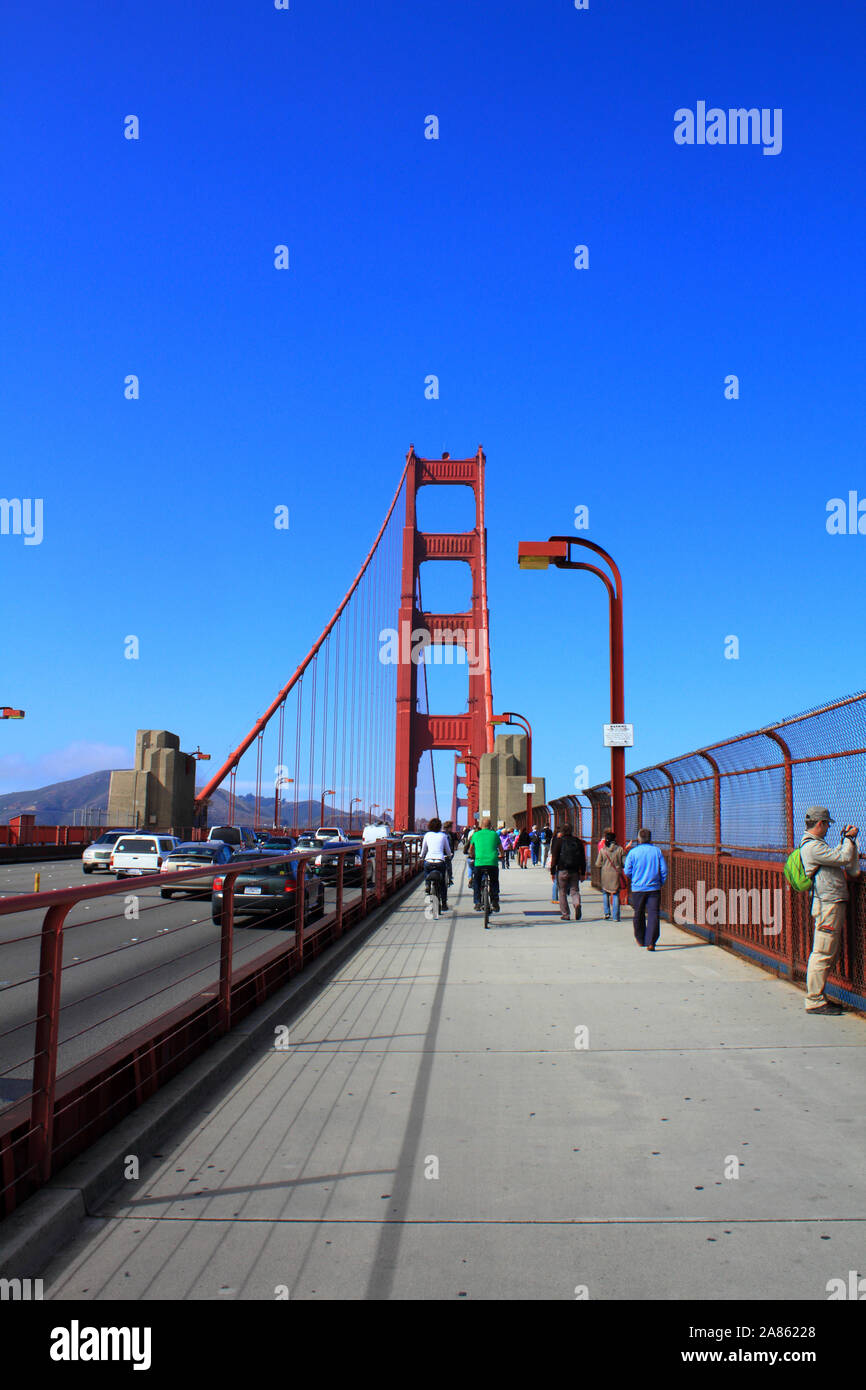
[{"x": 537, "y": 1111}]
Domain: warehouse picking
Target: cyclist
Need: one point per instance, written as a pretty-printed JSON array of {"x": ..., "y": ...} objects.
[
  {"x": 435, "y": 855},
  {"x": 485, "y": 851}
]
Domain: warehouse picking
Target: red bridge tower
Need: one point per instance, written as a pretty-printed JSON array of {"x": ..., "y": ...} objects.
[{"x": 468, "y": 734}]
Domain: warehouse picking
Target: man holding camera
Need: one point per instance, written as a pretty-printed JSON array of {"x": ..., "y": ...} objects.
[{"x": 830, "y": 870}]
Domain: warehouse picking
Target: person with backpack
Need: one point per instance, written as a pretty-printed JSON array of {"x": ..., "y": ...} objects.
[
  {"x": 534, "y": 845},
  {"x": 647, "y": 871},
  {"x": 567, "y": 869},
  {"x": 829, "y": 870},
  {"x": 610, "y": 857}
]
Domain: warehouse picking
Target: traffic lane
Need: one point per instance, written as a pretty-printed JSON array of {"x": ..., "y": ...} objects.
[
  {"x": 107, "y": 990},
  {"x": 53, "y": 873}
]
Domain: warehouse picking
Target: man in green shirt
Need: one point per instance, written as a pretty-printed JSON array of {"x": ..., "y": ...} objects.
[{"x": 485, "y": 851}]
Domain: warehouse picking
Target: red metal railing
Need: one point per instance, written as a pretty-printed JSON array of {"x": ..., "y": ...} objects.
[
  {"x": 726, "y": 817},
  {"x": 49, "y": 834},
  {"x": 78, "y": 1077}
]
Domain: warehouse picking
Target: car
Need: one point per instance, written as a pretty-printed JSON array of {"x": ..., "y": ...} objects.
[
  {"x": 274, "y": 844},
  {"x": 270, "y": 890},
  {"x": 329, "y": 832},
  {"x": 194, "y": 854},
  {"x": 378, "y": 831},
  {"x": 141, "y": 853},
  {"x": 326, "y": 864},
  {"x": 239, "y": 836},
  {"x": 97, "y": 855}
]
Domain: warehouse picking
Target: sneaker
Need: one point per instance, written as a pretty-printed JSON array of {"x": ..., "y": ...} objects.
[
  {"x": 578, "y": 914},
  {"x": 607, "y": 916},
  {"x": 478, "y": 908},
  {"x": 495, "y": 909},
  {"x": 564, "y": 919},
  {"x": 832, "y": 1009}
]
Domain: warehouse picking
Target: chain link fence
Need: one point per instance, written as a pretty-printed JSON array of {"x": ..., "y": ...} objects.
[{"x": 728, "y": 815}]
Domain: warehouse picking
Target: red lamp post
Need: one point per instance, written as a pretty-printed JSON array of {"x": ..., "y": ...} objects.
[
  {"x": 358, "y": 799},
  {"x": 330, "y": 792},
  {"x": 537, "y": 555},
  {"x": 509, "y": 717}
]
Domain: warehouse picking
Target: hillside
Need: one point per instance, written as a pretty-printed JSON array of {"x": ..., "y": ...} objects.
[{"x": 67, "y": 803}]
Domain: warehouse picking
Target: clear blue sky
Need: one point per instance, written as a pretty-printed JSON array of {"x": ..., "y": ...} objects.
[{"x": 409, "y": 256}]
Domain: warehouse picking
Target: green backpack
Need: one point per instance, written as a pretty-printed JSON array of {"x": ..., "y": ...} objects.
[{"x": 800, "y": 881}]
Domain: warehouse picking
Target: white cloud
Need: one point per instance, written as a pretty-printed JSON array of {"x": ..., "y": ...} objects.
[{"x": 20, "y": 773}]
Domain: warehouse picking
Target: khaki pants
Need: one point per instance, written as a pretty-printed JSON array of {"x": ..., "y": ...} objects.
[{"x": 829, "y": 925}]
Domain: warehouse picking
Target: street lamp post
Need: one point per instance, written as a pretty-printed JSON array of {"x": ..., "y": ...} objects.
[
  {"x": 330, "y": 792},
  {"x": 537, "y": 555},
  {"x": 359, "y": 799},
  {"x": 280, "y": 782},
  {"x": 509, "y": 717}
]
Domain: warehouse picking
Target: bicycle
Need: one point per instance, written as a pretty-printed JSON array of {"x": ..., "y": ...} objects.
[
  {"x": 485, "y": 894},
  {"x": 433, "y": 886}
]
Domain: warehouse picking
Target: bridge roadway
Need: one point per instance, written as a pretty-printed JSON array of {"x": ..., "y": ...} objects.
[
  {"x": 433, "y": 1132},
  {"x": 109, "y": 991}
]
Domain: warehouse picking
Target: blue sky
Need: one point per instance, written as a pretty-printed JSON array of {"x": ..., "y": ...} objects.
[{"x": 410, "y": 257}]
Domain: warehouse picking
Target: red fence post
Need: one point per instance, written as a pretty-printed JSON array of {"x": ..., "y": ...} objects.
[
  {"x": 789, "y": 827},
  {"x": 300, "y": 914},
  {"x": 47, "y": 1035},
  {"x": 224, "y": 1008},
  {"x": 365, "y": 861},
  {"x": 341, "y": 860}
]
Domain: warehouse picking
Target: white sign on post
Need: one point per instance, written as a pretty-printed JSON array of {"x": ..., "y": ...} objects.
[
  {"x": 529, "y": 788},
  {"x": 619, "y": 735}
]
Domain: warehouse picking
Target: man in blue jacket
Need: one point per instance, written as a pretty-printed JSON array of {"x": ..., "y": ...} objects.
[{"x": 646, "y": 870}]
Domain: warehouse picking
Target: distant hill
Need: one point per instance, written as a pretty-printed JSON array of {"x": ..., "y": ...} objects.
[
  {"x": 56, "y": 804},
  {"x": 65, "y": 803}
]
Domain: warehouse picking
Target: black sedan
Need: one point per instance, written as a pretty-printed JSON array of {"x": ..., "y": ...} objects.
[
  {"x": 270, "y": 891},
  {"x": 326, "y": 863}
]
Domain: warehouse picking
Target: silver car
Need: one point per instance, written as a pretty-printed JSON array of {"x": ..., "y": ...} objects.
[{"x": 97, "y": 855}]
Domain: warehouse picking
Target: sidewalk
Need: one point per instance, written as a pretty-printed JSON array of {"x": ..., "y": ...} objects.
[{"x": 433, "y": 1132}]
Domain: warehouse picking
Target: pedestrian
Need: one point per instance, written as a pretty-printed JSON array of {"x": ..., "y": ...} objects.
[
  {"x": 546, "y": 837},
  {"x": 448, "y": 829},
  {"x": 534, "y": 845},
  {"x": 830, "y": 870},
  {"x": 485, "y": 852},
  {"x": 567, "y": 869},
  {"x": 610, "y": 857},
  {"x": 505, "y": 841},
  {"x": 554, "y": 887},
  {"x": 523, "y": 847},
  {"x": 647, "y": 871}
]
